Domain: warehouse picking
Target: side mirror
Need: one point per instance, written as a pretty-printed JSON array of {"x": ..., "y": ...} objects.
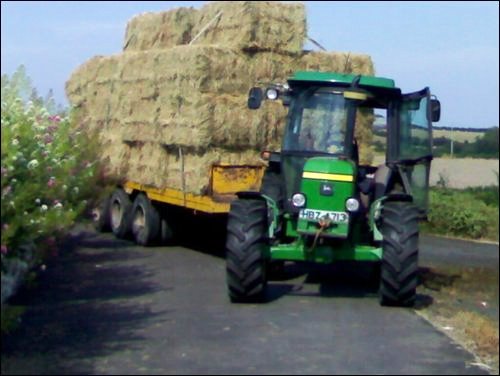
[
  {"x": 255, "y": 98},
  {"x": 435, "y": 110}
]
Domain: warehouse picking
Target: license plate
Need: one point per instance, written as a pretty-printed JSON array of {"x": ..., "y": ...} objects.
[{"x": 316, "y": 215}]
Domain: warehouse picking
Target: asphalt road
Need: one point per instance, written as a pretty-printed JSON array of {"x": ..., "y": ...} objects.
[{"x": 106, "y": 306}]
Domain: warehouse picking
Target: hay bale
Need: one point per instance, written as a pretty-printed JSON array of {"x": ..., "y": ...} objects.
[
  {"x": 193, "y": 98},
  {"x": 141, "y": 65},
  {"x": 159, "y": 30},
  {"x": 153, "y": 164},
  {"x": 214, "y": 69},
  {"x": 77, "y": 85},
  {"x": 205, "y": 121},
  {"x": 253, "y": 25},
  {"x": 270, "y": 67},
  {"x": 243, "y": 25}
]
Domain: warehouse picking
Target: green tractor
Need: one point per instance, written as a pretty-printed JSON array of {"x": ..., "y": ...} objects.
[{"x": 318, "y": 204}]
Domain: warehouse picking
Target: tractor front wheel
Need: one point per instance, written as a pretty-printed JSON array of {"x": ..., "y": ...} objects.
[
  {"x": 399, "y": 267},
  {"x": 245, "y": 246}
]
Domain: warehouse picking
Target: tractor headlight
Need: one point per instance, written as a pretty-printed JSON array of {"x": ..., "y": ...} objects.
[
  {"x": 299, "y": 200},
  {"x": 272, "y": 94},
  {"x": 352, "y": 205}
]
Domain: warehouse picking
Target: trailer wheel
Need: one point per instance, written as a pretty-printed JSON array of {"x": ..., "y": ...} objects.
[
  {"x": 245, "y": 246},
  {"x": 145, "y": 221},
  {"x": 101, "y": 216},
  {"x": 120, "y": 208},
  {"x": 399, "y": 267}
]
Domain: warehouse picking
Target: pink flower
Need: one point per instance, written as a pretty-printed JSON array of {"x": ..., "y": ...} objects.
[
  {"x": 48, "y": 139},
  {"x": 55, "y": 118},
  {"x": 5, "y": 226},
  {"x": 52, "y": 128},
  {"x": 4, "y": 249},
  {"x": 51, "y": 182}
]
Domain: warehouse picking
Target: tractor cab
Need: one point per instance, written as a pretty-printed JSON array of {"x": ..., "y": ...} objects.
[
  {"x": 320, "y": 201},
  {"x": 324, "y": 111}
]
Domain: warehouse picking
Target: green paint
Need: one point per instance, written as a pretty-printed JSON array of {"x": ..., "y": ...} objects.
[
  {"x": 336, "y": 202},
  {"x": 325, "y": 254},
  {"x": 342, "y": 78},
  {"x": 329, "y": 165}
]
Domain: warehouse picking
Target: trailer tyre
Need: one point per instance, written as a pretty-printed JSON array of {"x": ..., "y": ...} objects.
[
  {"x": 245, "y": 245},
  {"x": 101, "y": 216},
  {"x": 120, "y": 208},
  {"x": 145, "y": 221},
  {"x": 399, "y": 267}
]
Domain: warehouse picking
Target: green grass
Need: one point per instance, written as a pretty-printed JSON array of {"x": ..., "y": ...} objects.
[{"x": 468, "y": 213}]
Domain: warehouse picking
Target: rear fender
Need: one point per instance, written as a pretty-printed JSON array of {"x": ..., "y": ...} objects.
[
  {"x": 376, "y": 208},
  {"x": 272, "y": 209}
]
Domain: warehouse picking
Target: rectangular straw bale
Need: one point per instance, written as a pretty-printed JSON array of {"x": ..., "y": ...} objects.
[
  {"x": 364, "y": 135},
  {"x": 159, "y": 30},
  {"x": 148, "y": 164},
  {"x": 108, "y": 69},
  {"x": 137, "y": 103},
  {"x": 115, "y": 158},
  {"x": 98, "y": 100},
  {"x": 340, "y": 62},
  {"x": 271, "y": 67},
  {"x": 152, "y": 164},
  {"x": 139, "y": 131},
  {"x": 253, "y": 25},
  {"x": 140, "y": 65},
  {"x": 203, "y": 121},
  {"x": 76, "y": 86},
  {"x": 201, "y": 68}
]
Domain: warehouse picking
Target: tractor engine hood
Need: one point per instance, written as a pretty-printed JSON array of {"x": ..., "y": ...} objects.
[{"x": 327, "y": 183}]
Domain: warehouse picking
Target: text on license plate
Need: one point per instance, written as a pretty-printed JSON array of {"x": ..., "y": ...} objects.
[{"x": 316, "y": 215}]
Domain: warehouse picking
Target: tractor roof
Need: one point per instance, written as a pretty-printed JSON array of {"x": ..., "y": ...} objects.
[{"x": 308, "y": 77}]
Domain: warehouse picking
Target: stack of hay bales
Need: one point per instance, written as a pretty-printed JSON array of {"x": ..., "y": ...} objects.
[{"x": 167, "y": 110}]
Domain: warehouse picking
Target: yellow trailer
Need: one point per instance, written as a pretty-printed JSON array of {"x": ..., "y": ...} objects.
[{"x": 139, "y": 208}]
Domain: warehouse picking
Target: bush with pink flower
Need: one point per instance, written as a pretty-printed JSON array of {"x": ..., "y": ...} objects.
[{"x": 48, "y": 174}]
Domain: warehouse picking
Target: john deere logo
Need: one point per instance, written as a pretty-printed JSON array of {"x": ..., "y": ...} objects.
[{"x": 326, "y": 189}]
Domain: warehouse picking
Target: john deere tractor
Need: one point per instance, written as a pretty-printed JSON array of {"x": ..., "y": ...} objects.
[{"x": 318, "y": 203}]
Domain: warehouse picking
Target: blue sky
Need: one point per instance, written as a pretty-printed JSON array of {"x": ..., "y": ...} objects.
[{"x": 452, "y": 47}]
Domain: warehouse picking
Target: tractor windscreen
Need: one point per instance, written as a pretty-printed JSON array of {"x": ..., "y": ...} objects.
[{"x": 317, "y": 122}]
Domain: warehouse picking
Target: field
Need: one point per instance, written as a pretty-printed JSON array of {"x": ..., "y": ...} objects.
[
  {"x": 456, "y": 135},
  {"x": 460, "y": 172}
]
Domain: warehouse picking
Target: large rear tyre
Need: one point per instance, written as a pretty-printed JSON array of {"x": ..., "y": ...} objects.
[
  {"x": 245, "y": 247},
  {"x": 146, "y": 223},
  {"x": 120, "y": 208},
  {"x": 399, "y": 267}
]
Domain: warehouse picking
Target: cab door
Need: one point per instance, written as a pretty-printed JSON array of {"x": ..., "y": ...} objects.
[{"x": 413, "y": 146}]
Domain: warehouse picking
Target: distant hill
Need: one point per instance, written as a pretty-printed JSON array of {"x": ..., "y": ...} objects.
[{"x": 474, "y": 130}]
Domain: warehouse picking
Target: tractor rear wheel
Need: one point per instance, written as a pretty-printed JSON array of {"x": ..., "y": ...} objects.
[
  {"x": 120, "y": 209},
  {"x": 245, "y": 246},
  {"x": 399, "y": 267},
  {"x": 146, "y": 223}
]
